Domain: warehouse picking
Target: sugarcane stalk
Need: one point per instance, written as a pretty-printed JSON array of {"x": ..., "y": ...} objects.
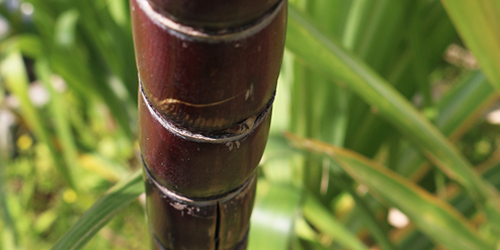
[{"x": 207, "y": 74}]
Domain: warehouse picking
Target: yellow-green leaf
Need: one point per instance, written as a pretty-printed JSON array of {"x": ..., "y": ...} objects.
[
  {"x": 436, "y": 218},
  {"x": 478, "y": 23},
  {"x": 324, "y": 221},
  {"x": 118, "y": 197},
  {"x": 273, "y": 216},
  {"x": 327, "y": 57}
]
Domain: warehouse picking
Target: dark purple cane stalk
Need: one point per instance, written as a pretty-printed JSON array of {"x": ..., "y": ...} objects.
[{"x": 208, "y": 72}]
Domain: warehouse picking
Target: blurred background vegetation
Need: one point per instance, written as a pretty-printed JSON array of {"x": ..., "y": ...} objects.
[{"x": 68, "y": 128}]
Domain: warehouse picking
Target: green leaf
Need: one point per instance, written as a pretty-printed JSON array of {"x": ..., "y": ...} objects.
[
  {"x": 65, "y": 28},
  {"x": 458, "y": 110},
  {"x": 16, "y": 78},
  {"x": 366, "y": 214},
  {"x": 478, "y": 23},
  {"x": 490, "y": 170},
  {"x": 436, "y": 218},
  {"x": 59, "y": 115},
  {"x": 324, "y": 221},
  {"x": 29, "y": 45},
  {"x": 273, "y": 216},
  {"x": 9, "y": 234},
  {"x": 115, "y": 199},
  {"x": 366, "y": 130},
  {"x": 327, "y": 57},
  {"x": 462, "y": 106}
]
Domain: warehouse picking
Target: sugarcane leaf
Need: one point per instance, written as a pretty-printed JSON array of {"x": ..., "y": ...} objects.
[
  {"x": 320, "y": 109},
  {"x": 458, "y": 110},
  {"x": 322, "y": 219},
  {"x": 29, "y": 45},
  {"x": 9, "y": 234},
  {"x": 327, "y": 57},
  {"x": 273, "y": 216},
  {"x": 366, "y": 214},
  {"x": 331, "y": 15},
  {"x": 85, "y": 70},
  {"x": 58, "y": 111},
  {"x": 462, "y": 105},
  {"x": 436, "y": 218},
  {"x": 16, "y": 79},
  {"x": 478, "y": 23},
  {"x": 366, "y": 131},
  {"x": 65, "y": 28},
  {"x": 357, "y": 18},
  {"x": 109, "y": 205},
  {"x": 490, "y": 170},
  {"x": 112, "y": 42}
]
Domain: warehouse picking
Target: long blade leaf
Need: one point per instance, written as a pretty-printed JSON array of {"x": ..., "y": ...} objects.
[
  {"x": 478, "y": 23},
  {"x": 117, "y": 198},
  {"x": 324, "y": 221},
  {"x": 17, "y": 82},
  {"x": 326, "y": 56},
  {"x": 458, "y": 110},
  {"x": 436, "y": 218},
  {"x": 273, "y": 217}
]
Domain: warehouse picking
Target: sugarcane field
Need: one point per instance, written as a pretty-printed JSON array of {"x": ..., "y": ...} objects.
[{"x": 250, "y": 124}]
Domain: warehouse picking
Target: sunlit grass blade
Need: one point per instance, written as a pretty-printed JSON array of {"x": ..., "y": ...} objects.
[
  {"x": 325, "y": 104},
  {"x": 8, "y": 233},
  {"x": 379, "y": 27},
  {"x": 277, "y": 170},
  {"x": 29, "y": 45},
  {"x": 273, "y": 216},
  {"x": 478, "y": 23},
  {"x": 436, "y": 218},
  {"x": 357, "y": 17},
  {"x": 369, "y": 131},
  {"x": 119, "y": 57},
  {"x": 109, "y": 170},
  {"x": 118, "y": 197},
  {"x": 58, "y": 109},
  {"x": 322, "y": 219},
  {"x": 16, "y": 79},
  {"x": 84, "y": 70},
  {"x": 307, "y": 235},
  {"x": 328, "y": 57},
  {"x": 318, "y": 110}
]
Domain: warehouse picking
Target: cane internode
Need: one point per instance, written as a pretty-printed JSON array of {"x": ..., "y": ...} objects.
[
  {"x": 219, "y": 222},
  {"x": 210, "y": 82},
  {"x": 186, "y": 163},
  {"x": 208, "y": 72}
]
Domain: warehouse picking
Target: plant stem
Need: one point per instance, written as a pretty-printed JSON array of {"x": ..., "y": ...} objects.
[{"x": 207, "y": 73}]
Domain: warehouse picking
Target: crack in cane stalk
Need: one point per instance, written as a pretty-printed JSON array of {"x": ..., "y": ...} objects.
[
  {"x": 240, "y": 246},
  {"x": 181, "y": 203},
  {"x": 173, "y": 203},
  {"x": 217, "y": 227}
]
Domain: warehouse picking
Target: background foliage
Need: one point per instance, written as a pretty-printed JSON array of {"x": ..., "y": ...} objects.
[{"x": 405, "y": 136}]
